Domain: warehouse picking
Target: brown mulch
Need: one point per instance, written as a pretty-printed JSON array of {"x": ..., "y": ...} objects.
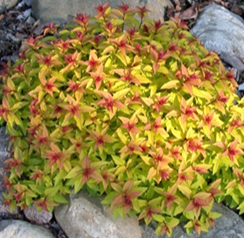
[{"x": 189, "y": 10}]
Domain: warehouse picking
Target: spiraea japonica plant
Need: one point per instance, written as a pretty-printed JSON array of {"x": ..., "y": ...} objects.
[{"x": 129, "y": 108}]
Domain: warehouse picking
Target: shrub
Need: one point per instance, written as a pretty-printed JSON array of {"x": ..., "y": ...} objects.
[{"x": 132, "y": 108}]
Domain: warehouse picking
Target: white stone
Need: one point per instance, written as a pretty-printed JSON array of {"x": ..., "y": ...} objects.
[
  {"x": 33, "y": 215},
  {"x": 220, "y": 30},
  {"x": 22, "y": 229},
  {"x": 6, "y": 4},
  {"x": 241, "y": 87},
  {"x": 85, "y": 217},
  {"x": 58, "y": 11},
  {"x": 3, "y": 141}
]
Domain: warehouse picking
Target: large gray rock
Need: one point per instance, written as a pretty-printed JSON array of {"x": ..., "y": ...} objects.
[
  {"x": 6, "y": 4},
  {"x": 3, "y": 140},
  {"x": 58, "y": 11},
  {"x": 33, "y": 215},
  {"x": 85, "y": 217},
  {"x": 22, "y": 229},
  {"x": 222, "y": 31},
  {"x": 4, "y": 154}
]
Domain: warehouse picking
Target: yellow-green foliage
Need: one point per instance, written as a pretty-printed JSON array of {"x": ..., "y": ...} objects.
[{"x": 137, "y": 110}]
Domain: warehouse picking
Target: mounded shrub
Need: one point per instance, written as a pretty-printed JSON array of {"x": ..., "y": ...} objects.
[{"x": 132, "y": 108}]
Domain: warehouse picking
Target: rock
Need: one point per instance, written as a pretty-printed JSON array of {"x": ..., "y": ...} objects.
[
  {"x": 3, "y": 140},
  {"x": 241, "y": 87},
  {"x": 58, "y": 11},
  {"x": 85, "y": 217},
  {"x": 6, "y": 4},
  {"x": 222, "y": 31},
  {"x": 4, "y": 154},
  {"x": 22, "y": 229},
  {"x": 27, "y": 2},
  {"x": 41, "y": 217}
]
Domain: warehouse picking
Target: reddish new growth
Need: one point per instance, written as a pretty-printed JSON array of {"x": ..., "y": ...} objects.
[
  {"x": 208, "y": 118},
  {"x": 74, "y": 87},
  {"x": 50, "y": 28},
  {"x": 124, "y": 199},
  {"x": 221, "y": 99},
  {"x": 176, "y": 153},
  {"x": 100, "y": 138},
  {"x": 173, "y": 47},
  {"x": 101, "y": 9},
  {"x": 164, "y": 174},
  {"x": 130, "y": 125},
  {"x": 209, "y": 76},
  {"x": 158, "y": 157},
  {"x": 148, "y": 212},
  {"x": 45, "y": 203},
  {"x": 126, "y": 75},
  {"x": 124, "y": 8},
  {"x": 31, "y": 41},
  {"x": 37, "y": 176},
  {"x": 170, "y": 198},
  {"x": 82, "y": 19},
  {"x": 200, "y": 200},
  {"x": 188, "y": 80},
  {"x": 143, "y": 147},
  {"x": 184, "y": 176},
  {"x": 93, "y": 62},
  {"x": 13, "y": 164},
  {"x": 232, "y": 150},
  {"x": 7, "y": 183},
  {"x": 187, "y": 111},
  {"x": 4, "y": 109},
  {"x": 57, "y": 110},
  {"x": 122, "y": 45},
  {"x": 156, "y": 126},
  {"x": 42, "y": 139},
  {"x": 98, "y": 76},
  {"x": 109, "y": 102},
  {"x": 196, "y": 145},
  {"x": 20, "y": 68},
  {"x": 134, "y": 100},
  {"x": 47, "y": 59},
  {"x": 157, "y": 25},
  {"x": 89, "y": 172},
  {"x": 55, "y": 156},
  {"x": 230, "y": 76},
  {"x": 130, "y": 148},
  {"x": 49, "y": 85},
  {"x": 80, "y": 35},
  {"x": 33, "y": 107},
  {"x": 73, "y": 108},
  {"x": 142, "y": 12},
  {"x": 64, "y": 45},
  {"x": 160, "y": 102},
  {"x": 131, "y": 32}
]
